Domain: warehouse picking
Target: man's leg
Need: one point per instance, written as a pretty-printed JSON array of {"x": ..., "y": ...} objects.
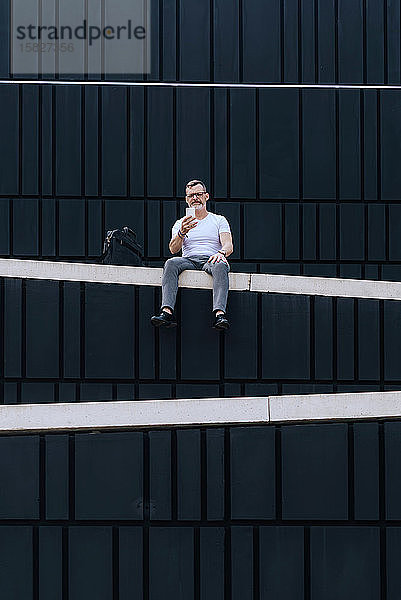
[
  {"x": 172, "y": 270},
  {"x": 219, "y": 272}
]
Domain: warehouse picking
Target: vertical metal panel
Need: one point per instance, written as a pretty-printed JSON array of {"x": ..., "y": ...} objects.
[
  {"x": 169, "y": 41},
  {"x": 323, "y": 338},
  {"x": 12, "y": 327},
  {"x": 194, "y": 22},
  {"x": 19, "y": 472},
  {"x": 200, "y": 341},
  {"x": 188, "y": 474},
  {"x": 252, "y": 473},
  {"x": 262, "y": 231},
  {"x": 171, "y": 564},
  {"x": 146, "y": 347},
  {"x": 225, "y": 41},
  {"x": 106, "y": 356},
  {"x": 392, "y": 445},
  {"x": 90, "y": 563},
  {"x": 374, "y": 42},
  {"x": 377, "y": 231},
  {"x": 215, "y": 474},
  {"x": 393, "y": 41},
  {"x": 91, "y": 133},
  {"x": 25, "y": 227},
  {"x": 109, "y": 476},
  {"x": 307, "y": 34},
  {"x": 393, "y": 549},
  {"x": 315, "y": 482},
  {"x": 285, "y": 337},
  {"x": 319, "y": 146},
  {"x": 392, "y": 341},
  {"x": 114, "y": 141},
  {"x": 9, "y": 140},
  {"x": 16, "y": 565},
  {"x": 242, "y": 140},
  {"x": 281, "y": 560},
  {"x": 211, "y": 563},
  {"x": 220, "y": 150},
  {"x": 369, "y": 339},
  {"x": 349, "y": 150},
  {"x": 292, "y": 224},
  {"x": 241, "y": 563},
  {"x": 389, "y": 144},
  {"x": 42, "y": 329},
  {"x": 309, "y": 228},
  {"x": 352, "y": 232},
  {"x": 68, "y": 140},
  {"x": 50, "y": 563},
  {"x": 366, "y": 470},
  {"x": 193, "y": 136},
  {"x": 345, "y": 338},
  {"x": 57, "y": 471},
  {"x": 160, "y": 142},
  {"x": 279, "y": 144},
  {"x": 243, "y": 334},
  {"x": 160, "y": 475},
  {"x": 291, "y": 41},
  {"x": 326, "y": 37},
  {"x": 72, "y": 227},
  {"x": 30, "y": 139},
  {"x": 261, "y": 41},
  {"x": 333, "y": 551},
  {"x": 327, "y": 231},
  {"x": 350, "y": 41},
  {"x": 130, "y": 572}
]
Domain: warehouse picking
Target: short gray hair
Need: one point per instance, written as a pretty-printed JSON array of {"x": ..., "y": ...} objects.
[{"x": 195, "y": 182}]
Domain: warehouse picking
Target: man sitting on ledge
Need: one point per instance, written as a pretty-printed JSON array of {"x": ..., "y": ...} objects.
[{"x": 205, "y": 241}]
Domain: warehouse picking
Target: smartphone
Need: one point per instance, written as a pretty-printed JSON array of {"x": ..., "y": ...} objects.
[{"x": 189, "y": 212}]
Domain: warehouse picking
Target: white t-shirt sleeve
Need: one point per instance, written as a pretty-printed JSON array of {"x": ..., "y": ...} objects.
[
  {"x": 175, "y": 228},
  {"x": 224, "y": 227}
]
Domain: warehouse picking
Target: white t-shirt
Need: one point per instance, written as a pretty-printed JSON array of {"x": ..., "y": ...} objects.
[{"x": 204, "y": 239}]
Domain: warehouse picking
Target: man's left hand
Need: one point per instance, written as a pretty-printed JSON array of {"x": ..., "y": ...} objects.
[{"x": 218, "y": 257}]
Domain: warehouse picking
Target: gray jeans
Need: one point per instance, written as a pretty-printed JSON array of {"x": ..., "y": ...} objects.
[{"x": 174, "y": 266}]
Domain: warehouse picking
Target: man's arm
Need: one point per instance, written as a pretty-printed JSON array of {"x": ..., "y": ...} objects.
[
  {"x": 176, "y": 242},
  {"x": 226, "y": 241}
]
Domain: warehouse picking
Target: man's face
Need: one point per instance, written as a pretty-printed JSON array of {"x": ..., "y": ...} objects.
[{"x": 196, "y": 197}]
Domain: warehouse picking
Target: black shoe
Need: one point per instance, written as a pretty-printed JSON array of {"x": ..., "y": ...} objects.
[
  {"x": 163, "y": 320},
  {"x": 221, "y": 322}
]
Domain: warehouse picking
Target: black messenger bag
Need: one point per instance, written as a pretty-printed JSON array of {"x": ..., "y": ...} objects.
[{"x": 121, "y": 248}]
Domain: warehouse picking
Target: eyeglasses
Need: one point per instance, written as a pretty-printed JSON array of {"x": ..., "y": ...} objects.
[{"x": 189, "y": 196}]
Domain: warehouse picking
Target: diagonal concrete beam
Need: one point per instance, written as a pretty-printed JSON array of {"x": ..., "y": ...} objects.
[
  {"x": 87, "y": 416},
  {"x": 151, "y": 276}
]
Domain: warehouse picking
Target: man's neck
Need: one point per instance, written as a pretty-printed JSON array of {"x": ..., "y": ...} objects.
[{"x": 201, "y": 213}]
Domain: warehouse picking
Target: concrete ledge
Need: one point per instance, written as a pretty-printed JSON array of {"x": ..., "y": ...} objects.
[
  {"x": 317, "y": 407},
  {"x": 92, "y": 273},
  {"x": 192, "y": 412},
  {"x": 121, "y": 415},
  {"x": 326, "y": 286},
  {"x": 253, "y": 282}
]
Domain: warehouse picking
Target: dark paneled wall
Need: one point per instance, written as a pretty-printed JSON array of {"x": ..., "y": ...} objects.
[
  {"x": 286, "y": 512},
  {"x": 69, "y": 342},
  {"x": 344, "y": 41},
  {"x": 309, "y": 180}
]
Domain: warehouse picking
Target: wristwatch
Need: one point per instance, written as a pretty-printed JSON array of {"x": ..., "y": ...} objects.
[{"x": 222, "y": 252}]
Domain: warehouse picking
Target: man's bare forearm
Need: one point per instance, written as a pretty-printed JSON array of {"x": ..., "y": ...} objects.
[
  {"x": 175, "y": 245},
  {"x": 227, "y": 248}
]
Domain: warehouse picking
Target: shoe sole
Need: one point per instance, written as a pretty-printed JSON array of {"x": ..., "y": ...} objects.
[
  {"x": 157, "y": 323},
  {"x": 222, "y": 327}
]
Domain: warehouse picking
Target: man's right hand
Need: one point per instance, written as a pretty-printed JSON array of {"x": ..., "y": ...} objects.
[{"x": 187, "y": 224}]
